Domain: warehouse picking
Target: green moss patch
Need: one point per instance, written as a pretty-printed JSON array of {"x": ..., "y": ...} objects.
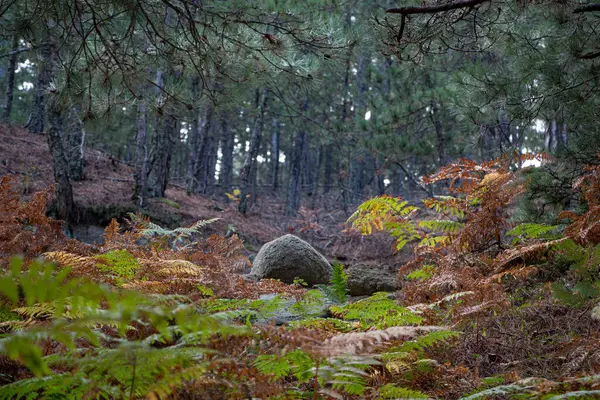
[
  {"x": 119, "y": 263},
  {"x": 7, "y": 315}
]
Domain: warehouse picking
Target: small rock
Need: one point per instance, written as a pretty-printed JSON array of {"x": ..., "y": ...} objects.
[
  {"x": 290, "y": 257},
  {"x": 364, "y": 279}
]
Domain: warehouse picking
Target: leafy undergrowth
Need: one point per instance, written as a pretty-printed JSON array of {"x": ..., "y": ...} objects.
[{"x": 490, "y": 307}]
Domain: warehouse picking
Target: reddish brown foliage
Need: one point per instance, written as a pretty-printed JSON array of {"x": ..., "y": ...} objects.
[
  {"x": 586, "y": 228},
  {"x": 24, "y": 227}
]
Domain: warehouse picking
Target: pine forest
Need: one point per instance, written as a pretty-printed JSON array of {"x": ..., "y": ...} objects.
[{"x": 299, "y": 199}]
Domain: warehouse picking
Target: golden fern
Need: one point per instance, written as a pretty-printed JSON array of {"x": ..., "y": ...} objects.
[{"x": 74, "y": 261}]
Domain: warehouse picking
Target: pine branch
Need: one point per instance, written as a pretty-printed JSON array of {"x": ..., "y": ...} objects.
[
  {"x": 436, "y": 9},
  {"x": 587, "y": 8}
]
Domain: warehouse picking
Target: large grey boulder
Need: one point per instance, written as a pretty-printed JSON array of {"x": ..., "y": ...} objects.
[
  {"x": 290, "y": 257},
  {"x": 365, "y": 279}
]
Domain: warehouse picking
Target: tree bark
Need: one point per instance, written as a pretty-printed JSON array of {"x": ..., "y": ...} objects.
[
  {"x": 141, "y": 155},
  {"x": 10, "y": 84},
  {"x": 36, "y": 121},
  {"x": 199, "y": 174},
  {"x": 162, "y": 145},
  {"x": 209, "y": 159},
  {"x": 74, "y": 142},
  {"x": 314, "y": 190},
  {"x": 250, "y": 161},
  {"x": 65, "y": 205},
  {"x": 275, "y": 157},
  {"x": 293, "y": 196},
  {"x": 227, "y": 142},
  {"x": 63, "y": 193},
  {"x": 328, "y": 168},
  {"x": 194, "y": 138}
]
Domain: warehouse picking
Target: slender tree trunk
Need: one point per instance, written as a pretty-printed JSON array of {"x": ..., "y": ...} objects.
[
  {"x": 200, "y": 173},
  {"x": 439, "y": 134},
  {"x": 250, "y": 161},
  {"x": 379, "y": 176},
  {"x": 74, "y": 142},
  {"x": 551, "y": 137},
  {"x": 141, "y": 155},
  {"x": 293, "y": 196},
  {"x": 328, "y": 169},
  {"x": 314, "y": 190},
  {"x": 398, "y": 182},
  {"x": 162, "y": 144},
  {"x": 358, "y": 156},
  {"x": 194, "y": 137},
  {"x": 208, "y": 160},
  {"x": 36, "y": 121},
  {"x": 63, "y": 193},
  {"x": 227, "y": 142},
  {"x": 10, "y": 84},
  {"x": 65, "y": 205},
  {"x": 275, "y": 157}
]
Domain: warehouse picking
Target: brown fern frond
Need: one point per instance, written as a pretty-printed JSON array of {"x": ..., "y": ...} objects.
[
  {"x": 523, "y": 255},
  {"x": 361, "y": 342},
  {"x": 24, "y": 227},
  {"x": 148, "y": 286},
  {"x": 180, "y": 269},
  {"x": 521, "y": 272},
  {"x": 9, "y": 326},
  {"x": 74, "y": 261}
]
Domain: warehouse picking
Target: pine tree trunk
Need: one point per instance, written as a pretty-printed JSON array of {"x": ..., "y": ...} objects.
[
  {"x": 227, "y": 142},
  {"x": 358, "y": 156},
  {"x": 162, "y": 145},
  {"x": 141, "y": 155},
  {"x": 398, "y": 183},
  {"x": 209, "y": 159},
  {"x": 65, "y": 205},
  {"x": 314, "y": 190},
  {"x": 440, "y": 135},
  {"x": 275, "y": 157},
  {"x": 194, "y": 137},
  {"x": 293, "y": 195},
  {"x": 199, "y": 172},
  {"x": 36, "y": 121},
  {"x": 250, "y": 161},
  {"x": 63, "y": 192},
  {"x": 328, "y": 169},
  {"x": 74, "y": 142},
  {"x": 10, "y": 84}
]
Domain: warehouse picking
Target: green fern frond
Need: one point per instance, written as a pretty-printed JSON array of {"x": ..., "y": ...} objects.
[
  {"x": 433, "y": 241},
  {"x": 195, "y": 228},
  {"x": 391, "y": 391},
  {"x": 445, "y": 226},
  {"x": 377, "y": 311},
  {"x": 422, "y": 343},
  {"x": 337, "y": 290},
  {"x": 525, "y": 387},
  {"x": 423, "y": 273},
  {"x": 534, "y": 231}
]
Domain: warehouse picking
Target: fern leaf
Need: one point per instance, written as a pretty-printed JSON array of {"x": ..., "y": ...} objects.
[
  {"x": 445, "y": 226},
  {"x": 390, "y": 391}
]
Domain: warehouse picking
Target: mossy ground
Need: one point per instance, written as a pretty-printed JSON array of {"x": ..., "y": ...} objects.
[{"x": 120, "y": 263}]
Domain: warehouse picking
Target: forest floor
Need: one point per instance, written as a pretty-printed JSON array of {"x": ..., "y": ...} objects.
[
  {"x": 470, "y": 321},
  {"x": 106, "y": 191}
]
